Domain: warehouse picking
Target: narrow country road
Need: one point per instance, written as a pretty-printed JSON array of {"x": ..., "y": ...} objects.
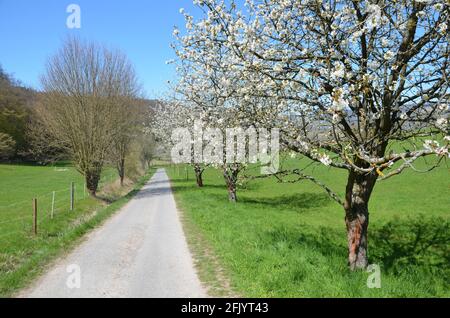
[{"x": 141, "y": 251}]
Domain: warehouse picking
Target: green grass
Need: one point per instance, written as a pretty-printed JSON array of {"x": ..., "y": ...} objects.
[
  {"x": 289, "y": 240},
  {"x": 23, "y": 255}
]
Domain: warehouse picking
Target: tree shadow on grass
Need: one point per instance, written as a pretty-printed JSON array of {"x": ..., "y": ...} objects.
[
  {"x": 419, "y": 240},
  {"x": 293, "y": 202},
  {"x": 322, "y": 239},
  {"x": 193, "y": 187}
]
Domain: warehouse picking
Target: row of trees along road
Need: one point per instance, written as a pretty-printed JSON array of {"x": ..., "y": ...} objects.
[
  {"x": 89, "y": 107},
  {"x": 343, "y": 80}
]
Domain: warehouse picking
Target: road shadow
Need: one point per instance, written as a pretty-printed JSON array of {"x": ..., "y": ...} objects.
[
  {"x": 158, "y": 182},
  {"x": 153, "y": 191},
  {"x": 164, "y": 188}
]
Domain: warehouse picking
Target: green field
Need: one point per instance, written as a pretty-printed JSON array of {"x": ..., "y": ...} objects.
[
  {"x": 289, "y": 240},
  {"x": 23, "y": 255}
]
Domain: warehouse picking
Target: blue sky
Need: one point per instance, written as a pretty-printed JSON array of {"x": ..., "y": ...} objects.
[{"x": 32, "y": 31}]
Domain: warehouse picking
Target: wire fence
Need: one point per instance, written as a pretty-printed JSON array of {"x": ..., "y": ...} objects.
[{"x": 41, "y": 214}]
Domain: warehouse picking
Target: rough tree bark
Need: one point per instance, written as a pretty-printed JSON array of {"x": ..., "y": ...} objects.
[
  {"x": 358, "y": 191},
  {"x": 92, "y": 177},
  {"x": 231, "y": 174},
  {"x": 121, "y": 170},
  {"x": 198, "y": 175}
]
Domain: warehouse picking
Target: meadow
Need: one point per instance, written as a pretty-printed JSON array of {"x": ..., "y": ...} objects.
[
  {"x": 24, "y": 255},
  {"x": 289, "y": 239}
]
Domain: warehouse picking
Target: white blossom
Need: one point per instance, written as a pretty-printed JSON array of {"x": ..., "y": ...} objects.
[
  {"x": 374, "y": 17},
  {"x": 443, "y": 107},
  {"x": 336, "y": 118},
  {"x": 430, "y": 145},
  {"x": 421, "y": 14},
  {"x": 388, "y": 55},
  {"x": 325, "y": 159},
  {"x": 442, "y": 123},
  {"x": 278, "y": 68},
  {"x": 269, "y": 61},
  {"x": 338, "y": 71},
  {"x": 438, "y": 6},
  {"x": 442, "y": 28}
]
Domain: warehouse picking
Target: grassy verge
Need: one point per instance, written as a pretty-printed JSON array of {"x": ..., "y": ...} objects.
[
  {"x": 208, "y": 266},
  {"x": 24, "y": 256},
  {"x": 289, "y": 240}
]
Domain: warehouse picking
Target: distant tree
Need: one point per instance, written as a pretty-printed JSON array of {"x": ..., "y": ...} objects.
[
  {"x": 174, "y": 115},
  {"x": 14, "y": 112},
  {"x": 86, "y": 88},
  {"x": 127, "y": 129},
  {"x": 43, "y": 147},
  {"x": 134, "y": 135},
  {"x": 7, "y": 145},
  {"x": 147, "y": 144}
]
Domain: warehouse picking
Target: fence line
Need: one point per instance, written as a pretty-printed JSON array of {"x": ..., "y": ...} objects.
[
  {"x": 28, "y": 201},
  {"x": 49, "y": 208},
  {"x": 102, "y": 183},
  {"x": 39, "y": 195}
]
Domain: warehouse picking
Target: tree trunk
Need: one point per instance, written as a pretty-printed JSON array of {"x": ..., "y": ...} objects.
[
  {"x": 121, "y": 170},
  {"x": 358, "y": 191},
  {"x": 230, "y": 175},
  {"x": 198, "y": 175},
  {"x": 232, "y": 196},
  {"x": 92, "y": 178}
]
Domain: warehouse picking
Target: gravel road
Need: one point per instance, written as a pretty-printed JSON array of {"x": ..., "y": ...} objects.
[{"x": 141, "y": 251}]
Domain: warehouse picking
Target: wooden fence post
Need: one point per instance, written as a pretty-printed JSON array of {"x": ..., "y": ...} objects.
[
  {"x": 71, "y": 195},
  {"x": 53, "y": 205},
  {"x": 35, "y": 212}
]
